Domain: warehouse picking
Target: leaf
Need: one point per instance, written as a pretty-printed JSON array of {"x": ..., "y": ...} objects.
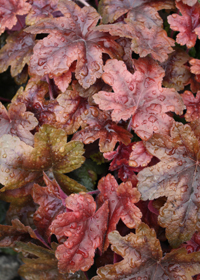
[
  {"x": 87, "y": 174},
  {"x": 100, "y": 126},
  {"x": 41, "y": 9},
  {"x": 33, "y": 96},
  {"x": 51, "y": 205},
  {"x": 9, "y": 9},
  {"x": 143, "y": 11},
  {"x": 21, "y": 163},
  {"x": 121, "y": 200},
  {"x": 17, "y": 121},
  {"x": 176, "y": 176},
  {"x": 72, "y": 37},
  {"x": 192, "y": 105},
  {"x": 85, "y": 230},
  {"x": 145, "y": 41},
  {"x": 139, "y": 156},
  {"x": 43, "y": 265},
  {"x": 140, "y": 96},
  {"x": 195, "y": 68},
  {"x": 143, "y": 259},
  {"x": 186, "y": 23},
  {"x": 177, "y": 74},
  {"x": 17, "y": 52},
  {"x": 17, "y": 231}
]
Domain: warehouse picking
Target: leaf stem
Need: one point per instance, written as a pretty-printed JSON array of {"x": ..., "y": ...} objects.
[
  {"x": 94, "y": 192},
  {"x": 50, "y": 89}
]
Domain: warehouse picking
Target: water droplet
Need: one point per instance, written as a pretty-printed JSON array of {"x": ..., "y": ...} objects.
[
  {"x": 41, "y": 61},
  {"x": 69, "y": 244},
  {"x": 161, "y": 97},
  {"x": 133, "y": 163},
  {"x": 144, "y": 122},
  {"x": 152, "y": 119},
  {"x": 131, "y": 87},
  {"x": 4, "y": 156},
  {"x": 72, "y": 263},
  {"x": 84, "y": 254},
  {"x": 7, "y": 170},
  {"x": 61, "y": 150},
  {"x": 95, "y": 66},
  {"x": 154, "y": 92},
  {"x": 73, "y": 225},
  {"x": 108, "y": 79},
  {"x": 180, "y": 162},
  {"x": 155, "y": 128},
  {"x": 84, "y": 71},
  {"x": 148, "y": 82}
]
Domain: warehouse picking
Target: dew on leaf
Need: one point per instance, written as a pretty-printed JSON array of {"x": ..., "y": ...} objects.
[
  {"x": 84, "y": 254},
  {"x": 152, "y": 119},
  {"x": 161, "y": 97},
  {"x": 180, "y": 162},
  {"x": 72, "y": 263},
  {"x": 4, "y": 156},
  {"x": 69, "y": 244},
  {"x": 41, "y": 61}
]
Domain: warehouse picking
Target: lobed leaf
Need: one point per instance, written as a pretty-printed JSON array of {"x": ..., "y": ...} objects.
[
  {"x": 140, "y": 96},
  {"x": 72, "y": 38},
  {"x": 121, "y": 199},
  {"x": 142, "y": 258},
  {"x": 176, "y": 176},
  {"x": 41, "y": 9},
  {"x": 17, "y": 121},
  {"x": 9, "y": 10},
  {"x": 21, "y": 163},
  {"x": 16, "y": 52},
  {"x": 85, "y": 230},
  {"x": 187, "y": 23}
]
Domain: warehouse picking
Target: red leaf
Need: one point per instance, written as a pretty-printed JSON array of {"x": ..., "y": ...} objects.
[
  {"x": 50, "y": 203},
  {"x": 85, "y": 230},
  {"x": 139, "y": 95},
  {"x": 195, "y": 68},
  {"x": 121, "y": 200},
  {"x": 8, "y": 11},
  {"x": 192, "y": 105},
  {"x": 186, "y": 23},
  {"x": 72, "y": 37}
]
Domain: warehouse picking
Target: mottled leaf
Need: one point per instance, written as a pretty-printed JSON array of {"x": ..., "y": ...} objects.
[
  {"x": 9, "y": 9},
  {"x": 85, "y": 229},
  {"x": 142, "y": 259},
  {"x": 176, "y": 176},
  {"x": 195, "y": 68},
  {"x": 16, "y": 121},
  {"x": 186, "y": 23},
  {"x": 121, "y": 200},
  {"x": 72, "y": 38},
  {"x": 140, "y": 96},
  {"x": 21, "y": 163},
  {"x": 139, "y": 156}
]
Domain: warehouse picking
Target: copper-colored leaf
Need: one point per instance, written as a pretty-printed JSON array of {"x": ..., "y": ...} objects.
[
  {"x": 121, "y": 200},
  {"x": 140, "y": 96},
  {"x": 8, "y": 11},
  {"x": 16, "y": 52},
  {"x": 186, "y": 23},
  {"x": 21, "y": 163},
  {"x": 72, "y": 37},
  {"x": 17, "y": 122},
  {"x": 176, "y": 176},
  {"x": 100, "y": 126},
  {"x": 177, "y": 75},
  {"x": 17, "y": 231},
  {"x": 41, "y": 9},
  {"x": 85, "y": 230},
  {"x": 142, "y": 259},
  {"x": 195, "y": 68}
]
